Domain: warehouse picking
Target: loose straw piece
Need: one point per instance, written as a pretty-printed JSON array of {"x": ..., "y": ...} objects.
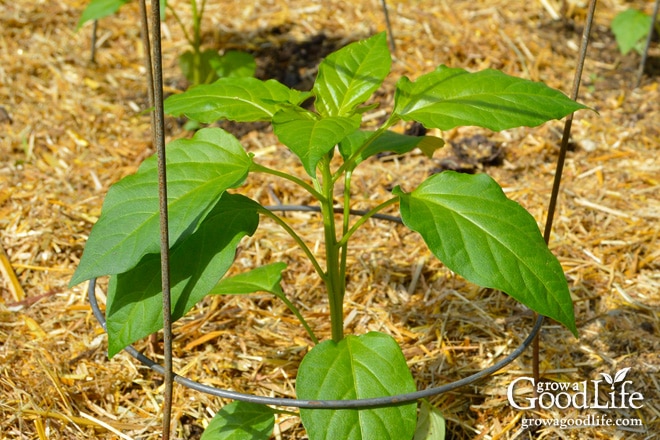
[{"x": 9, "y": 274}]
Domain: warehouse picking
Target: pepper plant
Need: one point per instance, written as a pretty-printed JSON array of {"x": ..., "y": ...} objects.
[
  {"x": 631, "y": 28},
  {"x": 198, "y": 66},
  {"x": 466, "y": 220}
]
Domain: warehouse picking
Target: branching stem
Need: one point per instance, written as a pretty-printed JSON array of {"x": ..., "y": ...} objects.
[
  {"x": 335, "y": 285},
  {"x": 277, "y": 219}
]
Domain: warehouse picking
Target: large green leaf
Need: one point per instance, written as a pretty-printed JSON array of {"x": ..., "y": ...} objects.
[
  {"x": 387, "y": 141},
  {"x": 238, "y": 99},
  {"x": 97, "y": 9},
  {"x": 630, "y": 27},
  {"x": 450, "y": 97},
  {"x": 134, "y": 307},
  {"x": 472, "y": 227},
  {"x": 311, "y": 138},
  {"x": 349, "y": 76},
  {"x": 370, "y": 365},
  {"x": 199, "y": 170},
  {"x": 241, "y": 421}
]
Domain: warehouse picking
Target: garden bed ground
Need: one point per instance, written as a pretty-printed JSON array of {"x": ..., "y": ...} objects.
[{"x": 69, "y": 128}]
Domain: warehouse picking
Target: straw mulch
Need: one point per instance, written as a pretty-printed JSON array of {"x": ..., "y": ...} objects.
[{"x": 70, "y": 128}]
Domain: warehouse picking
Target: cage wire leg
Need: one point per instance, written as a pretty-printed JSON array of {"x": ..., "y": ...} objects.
[
  {"x": 144, "y": 35},
  {"x": 561, "y": 159},
  {"x": 388, "y": 24},
  {"x": 92, "y": 54},
  {"x": 158, "y": 134},
  {"x": 649, "y": 37}
]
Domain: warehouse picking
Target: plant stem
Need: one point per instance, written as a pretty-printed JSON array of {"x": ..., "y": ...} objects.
[
  {"x": 298, "y": 240},
  {"x": 263, "y": 169},
  {"x": 364, "y": 218},
  {"x": 197, "y": 43},
  {"x": 300, "y": 317},
  {"x": 197, "y": 18},
  {"x": 335, "y": 285},
  {"x": 186, "y": 35},
  {"x": 345, "y": 225}
]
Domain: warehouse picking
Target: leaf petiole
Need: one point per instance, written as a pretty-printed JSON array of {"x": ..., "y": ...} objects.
[
  {"x": 264, "y": 169},
  {"x": 364, "y": 218},
  {"x": 277, "y": 219}
]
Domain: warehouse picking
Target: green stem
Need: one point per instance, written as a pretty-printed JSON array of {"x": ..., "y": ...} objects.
[
  {"x": 345, "y": 225},
  {"x": 364, "y": 218},
  {"x": 197, "y": 43},
  {"x": 197, "y": 26},
  {"x": 263, "y": 169},
  {"x": 277, "y": 219},
  {"x": 300, "y": 317},
  {"x": 186, "y": 35},
  {"x": 334, "y": 283}
]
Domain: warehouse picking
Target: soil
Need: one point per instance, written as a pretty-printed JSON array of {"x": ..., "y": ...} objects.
[{"x": 71, "y": 127}]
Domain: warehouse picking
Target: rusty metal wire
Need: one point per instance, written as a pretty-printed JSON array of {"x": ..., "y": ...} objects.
[{"x": 320, "y": 404}]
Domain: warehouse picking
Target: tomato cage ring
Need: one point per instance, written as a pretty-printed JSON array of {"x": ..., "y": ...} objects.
[{"x": 364, "y": 403}]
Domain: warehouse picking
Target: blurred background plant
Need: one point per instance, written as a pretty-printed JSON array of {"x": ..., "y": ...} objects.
[
  {"x": 199, "y": 66},
  {"x": 631, "y": 29}
]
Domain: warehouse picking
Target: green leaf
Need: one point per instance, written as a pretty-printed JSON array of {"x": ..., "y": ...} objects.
[
  {"x": 311, "y": 138},
  {"x": 349, "y": 76},
  {"x": 477, "y": 232},
  {"x": 630, "y": 28},
  {"x": 199, "y": 170},
  {"x": 134, "y": 307},
  {"x": 262, "y": 279},
  {"x": 370, "y": 365},
  {"x": 450, "y": 97},
  {"x": 241, "y": 421},
  {"x": 234, "y": 63},
  {"x": 387, "y": 141},
  {"x": 97, "y": 9},
  {"x": 431, "y": 423},
  {"x": 238, "y": 99}
]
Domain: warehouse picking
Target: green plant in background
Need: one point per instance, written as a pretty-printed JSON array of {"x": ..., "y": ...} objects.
[
  {"x": 198, "y": 66},
  {"x": 631, "y": 28},
  {"x": 466, "y": 221}
]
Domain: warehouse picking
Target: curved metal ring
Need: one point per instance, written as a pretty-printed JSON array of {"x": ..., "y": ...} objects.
[{"x": 318, "y": 404}]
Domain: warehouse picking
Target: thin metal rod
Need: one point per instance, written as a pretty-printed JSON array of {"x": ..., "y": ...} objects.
[
  {"x": 568, "y": 123},
  {"x": 92, "y": 55},
  {"x": 303, "y": 208},
  {"x": 158, "y": 131},
  {"x": 562, "y": 157},
  {"x": 374, "y": 402},
  {"x": 144, "y": 35},
  {"x": 389, "y": 26},
  {"x": 649, "y": 37}
]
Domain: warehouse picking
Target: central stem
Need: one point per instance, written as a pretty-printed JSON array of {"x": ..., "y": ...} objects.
[{"x": 335, "y": 283}]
